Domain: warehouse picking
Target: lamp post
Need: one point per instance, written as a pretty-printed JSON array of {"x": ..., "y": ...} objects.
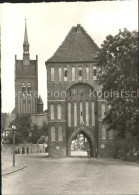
[
  {"x": 13, "y": 129},
  {"x": 30, "y": 135}
]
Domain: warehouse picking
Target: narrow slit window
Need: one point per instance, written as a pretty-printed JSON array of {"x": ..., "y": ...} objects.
[
  {"x": 94, "y": 73},
  {"x": 69, "y": 114},
  {"x": 53, "y": 136},
  {"x": 52, "y": 74},
  {"x": 87, "y": 73},
  {"x": 81, "y": 112},
  {"x": 65, "y": 74},
  {"x": 60, "y": 134},
  {"x": 75, "y": 114},
  {"x": 87, "y": 113},
  {"x": 73, "y": 73},
  {"x": 52, "y": 112},
  {"x": 80, "y": 73},
  {"x": 59, "y": 113},
  {"x": 60, "y": 74}
]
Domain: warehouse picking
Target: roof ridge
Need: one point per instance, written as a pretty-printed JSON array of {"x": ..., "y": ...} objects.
[
  {"x": 89, "y": 37},
  {"x": 77, "y": 45},
  {"x": 61, "y": 43}
]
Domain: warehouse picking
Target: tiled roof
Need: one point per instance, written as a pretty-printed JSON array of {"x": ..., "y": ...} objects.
[{"x": 77, "y": 46}]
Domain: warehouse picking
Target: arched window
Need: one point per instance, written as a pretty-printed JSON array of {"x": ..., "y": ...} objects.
[
  {"x": 80, "y": 73},
  {"x": 103, "y": 132},
  {"x": 75, "y": 114},
  {"x": 87, "y": 73},
  {"x": 60, "y": 134},
  {"x": 69, "y": 114},
  {"x": 110, "y": 133},
  {"x": 53, "y": 134},
  {"x": 73, "y": 73},
  {"x": 93, "y": 114},
  {"x": 87, "y": 113},
  {"x": 65, "y": 74},
  {"x": 52, "y": 74},
  {"x": 29, "y": 88},
  {"x": 52, "y": 112},
  {"x": 60, "y": 74},
  {"x": 59, "y": 111},
  {"x": 94, "y": 73},
  {"x": 81, "y": 112},
  {"x": 23, "y": 87},
  {"x": 103, "y": 110}
]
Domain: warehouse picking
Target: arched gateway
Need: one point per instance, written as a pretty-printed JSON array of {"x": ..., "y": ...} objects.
[
  {"x": 73, "y": 107},
  {"x": 88, "y": 135}
]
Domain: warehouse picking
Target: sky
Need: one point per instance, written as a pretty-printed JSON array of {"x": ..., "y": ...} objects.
[{"x": 47, "y": 26}]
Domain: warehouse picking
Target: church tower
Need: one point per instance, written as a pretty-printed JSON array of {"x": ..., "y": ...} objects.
[{"x": 26, "y": 81}]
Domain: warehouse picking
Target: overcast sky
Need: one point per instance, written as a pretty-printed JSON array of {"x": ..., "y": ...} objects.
[{"x": 48, "y": 24}]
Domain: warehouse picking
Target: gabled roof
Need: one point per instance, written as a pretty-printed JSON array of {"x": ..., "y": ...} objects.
[{"x": 77, "y": 46}]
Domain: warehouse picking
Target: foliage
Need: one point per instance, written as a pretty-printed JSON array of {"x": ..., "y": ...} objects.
[
  {"x": 118, "y": 62},
  {"x": 37, "y": 132},
  {"x": 25, "y": 130},
  {"x": 23, "y": 126}
]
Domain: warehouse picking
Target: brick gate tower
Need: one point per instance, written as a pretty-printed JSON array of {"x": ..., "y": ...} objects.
[
  {"x": 26, "y": 81},
  {"x": 73, "y": 105}
]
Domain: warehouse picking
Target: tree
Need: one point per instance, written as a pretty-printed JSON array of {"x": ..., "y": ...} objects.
[
  {"x": 26, "y": 131},
  {"x": 23, "y": 126},
  {"x": 118, "y": 63},
  {"x": 37, "y": 132}
]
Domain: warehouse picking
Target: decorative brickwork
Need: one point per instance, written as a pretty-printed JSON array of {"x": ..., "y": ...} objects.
[{"x": 71, "y": 82}]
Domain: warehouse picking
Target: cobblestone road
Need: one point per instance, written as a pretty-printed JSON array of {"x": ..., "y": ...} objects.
[{"x": 72, "y": 176}]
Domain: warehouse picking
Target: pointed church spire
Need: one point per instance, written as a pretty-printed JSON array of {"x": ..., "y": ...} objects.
[
  {"x": 26, "y": 44},
  {"x": 25, "y": 35},
  {"x": 26, "y": 58}
]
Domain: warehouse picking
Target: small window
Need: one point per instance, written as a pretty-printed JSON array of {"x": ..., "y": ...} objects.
[
  {"x": 59, "y": 114},
  {"x": 52, "y": 74},
  {"x": 52, "y": 112},
  {"x": 69, "y": 114},
  {"x": 60, "y": 74},
  {"x": 60, "y": 134},
  {"x": 53, "y": 135},
  {"x": 87, "y": 73},
  {"x": 73, "y": 73},
  {"x": 94, "y": 73},
  {"x": 80, "y": 73},
  {"x": 65, "y": 74}
]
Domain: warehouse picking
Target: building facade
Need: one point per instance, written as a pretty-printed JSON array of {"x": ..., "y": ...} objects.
[{"x": 73, "y": 103}]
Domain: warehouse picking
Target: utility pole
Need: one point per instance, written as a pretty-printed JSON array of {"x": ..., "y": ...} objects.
[{"x": 13, "y": 128}]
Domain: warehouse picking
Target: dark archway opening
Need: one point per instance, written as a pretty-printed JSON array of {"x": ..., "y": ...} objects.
[{"x": 79, "y": 146}]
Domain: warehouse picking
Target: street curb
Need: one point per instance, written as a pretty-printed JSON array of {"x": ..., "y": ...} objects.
[{"x": 13, "y": 171}]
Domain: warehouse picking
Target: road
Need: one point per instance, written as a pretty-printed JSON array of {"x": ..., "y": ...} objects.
[{"x": 72, "y": 176}]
